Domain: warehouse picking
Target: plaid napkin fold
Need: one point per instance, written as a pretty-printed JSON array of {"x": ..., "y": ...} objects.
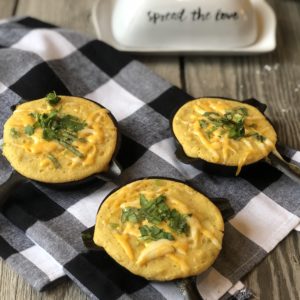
[{"x": 40, "y": 228}]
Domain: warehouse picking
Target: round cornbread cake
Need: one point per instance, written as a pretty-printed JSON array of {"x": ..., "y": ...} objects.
[
  {"x": 160, "y": 229},
  {"x": 224, "y": 132},
  {"x": 59, "y": 139}
]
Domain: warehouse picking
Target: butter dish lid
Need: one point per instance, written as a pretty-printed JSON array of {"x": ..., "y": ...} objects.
[{"x": 186, "y": 26}]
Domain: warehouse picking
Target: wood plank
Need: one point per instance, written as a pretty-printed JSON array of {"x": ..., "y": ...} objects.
[
  {"x": 73, "y": 14},
  {"x": 276, "y": 276},
  {"x": 13, "y": 286},
  {"x": 275, "y": 79},
  {"x": 165, "y": 66},
  {"x": 7, "y": 8}
]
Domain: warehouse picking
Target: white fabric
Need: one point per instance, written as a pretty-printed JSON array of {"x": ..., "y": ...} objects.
[
  {"x": 85, "y": 210},
  {"x": 48, "y": 44},
  {"x": 44, "y": 261},
  {"x": 212, "y": 285},
  {"x": 253, "y": 223},
  {"x": 117, "y": 99},
  {"x": 3, "y": 88},
  {"x": 237, "y": 287},
  {"x": 168, "y": 289},
  {"x": 165, "y": 149},
  {"x": 296, "y": 157}
]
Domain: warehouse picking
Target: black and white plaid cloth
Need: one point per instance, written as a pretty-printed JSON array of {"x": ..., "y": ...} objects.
[{"x": 40, "y": 228}]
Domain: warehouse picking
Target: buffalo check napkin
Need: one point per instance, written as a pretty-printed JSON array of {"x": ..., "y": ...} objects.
[{"x": 40, "y": 227}]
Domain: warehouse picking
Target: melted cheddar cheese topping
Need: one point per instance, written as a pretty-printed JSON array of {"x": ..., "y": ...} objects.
[
  {"x": 213, "y": 143},
  {"x": 162, "y": 259},
  {"x": 31, "y": 155}
]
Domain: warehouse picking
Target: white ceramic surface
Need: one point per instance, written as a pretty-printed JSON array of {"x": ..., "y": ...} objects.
[{"x": 238, "y": 27}]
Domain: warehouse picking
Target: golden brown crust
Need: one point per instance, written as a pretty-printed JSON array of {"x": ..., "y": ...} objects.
[
  {"x": 29, "y": 155},
  {"x": 217, "y": 147},
  {"x": 163, "y": 259}
]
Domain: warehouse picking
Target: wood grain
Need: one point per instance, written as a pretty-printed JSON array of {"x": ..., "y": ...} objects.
[
  {"x": 13, "y": 286},
  {"x": 7, "y": 8},
  {"x": 75, "y": 14}
]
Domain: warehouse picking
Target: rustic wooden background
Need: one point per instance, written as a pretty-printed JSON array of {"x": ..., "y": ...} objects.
[{"x": 274, "y": 78}]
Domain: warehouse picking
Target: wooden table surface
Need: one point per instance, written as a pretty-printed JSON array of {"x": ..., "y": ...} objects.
[{"x": 274, "y": 78}]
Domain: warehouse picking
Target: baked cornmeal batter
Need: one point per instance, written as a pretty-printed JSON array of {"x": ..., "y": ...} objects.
[
  {"x": 62, "y": 142},
  {"x": 223, "y": 132},
  {"x": 160, "y": 229}
]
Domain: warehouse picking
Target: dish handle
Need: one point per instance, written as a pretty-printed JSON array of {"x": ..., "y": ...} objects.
[
  {"x": 113, "y": 173},
  {"x": 289, "y": 169}
]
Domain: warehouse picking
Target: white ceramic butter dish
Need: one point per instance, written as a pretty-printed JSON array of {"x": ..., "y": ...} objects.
[{"x": 186, "y": 26}]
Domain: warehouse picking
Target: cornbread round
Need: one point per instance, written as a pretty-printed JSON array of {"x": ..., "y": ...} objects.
[
  {"x": 225, "y": 132},
  {"x": 188, "y": 253},
  {"x": 80, "y": 153}
]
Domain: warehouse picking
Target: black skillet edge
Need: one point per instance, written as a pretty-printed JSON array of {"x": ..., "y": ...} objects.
[
  {"x": 222, "y": 204},
  {"x": 108, "y": 175},
  {"x": 213, "y": 168}
]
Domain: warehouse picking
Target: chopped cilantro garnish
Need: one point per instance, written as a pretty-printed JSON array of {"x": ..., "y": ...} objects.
[
  {"x": 258, "y": 136},
  {"x": 232, "y": 123},
  {"x": 131, "y": 214},
  {"x": 14, "y": 133},
  {"x": 154, "y": 233},
  {"x": 155, "y": 212},
  {"x": 29, "y": 130},
  {"x": 55, "y": 161},
  {"x": 63, "y": 129},
  {"x": 203, "y": 123},
  {"x": 52, "y": 98},
  {"x": 72, "y": 123},
  {"x": 177, "y": 222},
  {"x": 71, "y": 148}
]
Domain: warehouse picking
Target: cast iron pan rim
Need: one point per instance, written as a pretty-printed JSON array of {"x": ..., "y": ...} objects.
[
  {"x": 192, "y": 292},
  {"x": 158, "y": 178},
  {"x": 192, "y": 160},
  {"x": 89, "y": 177}
]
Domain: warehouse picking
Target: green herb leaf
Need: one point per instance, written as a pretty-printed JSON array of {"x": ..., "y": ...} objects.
[
  {"x": 55, "y": 161},
  {"x": 211, "y": 130},
  {"x": 154, "y": 233},
  {"x": 177, "y": 222},
  {"x": 232, "y": 122},
  {"x": 71, "y": 148},
  {"x": 131, "y": 214},
  {"x": 211, "y": 115},
  {"x": 29, "y": 130},
  {"x": 52, "y": 98},
  {"x": 72, "y": 123},
  {"x": 49, "y": 134},
  {"x": 114, "y": 225},
  {"x": 155, "y": 212},
  {"x": 203, "y": 123},
  {"x": 258, "y": 136},
  {"x": 63, "y": 129},
  {"x": 14, "y": 133}
]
